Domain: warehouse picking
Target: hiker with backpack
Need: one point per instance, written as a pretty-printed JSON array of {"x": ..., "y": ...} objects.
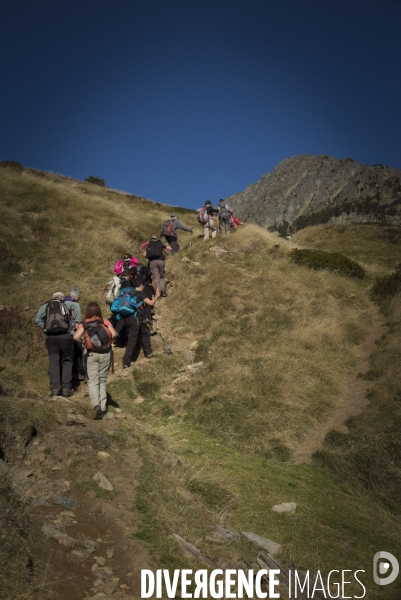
[
  {"x": 98, "y": 334},
  {"x": 54, "y": 318},
  {"x": 128, "y": 308},
  {"x": 205, "y": 218},
  {"x": 169, "y": 231},
  {"x": 149, "y": 291},
  {"x": 127, "y": 264},
  {"x": 155, "y": 253},
  {"x": 78, "y": 371},
  {"x": 225, "y": 217}
]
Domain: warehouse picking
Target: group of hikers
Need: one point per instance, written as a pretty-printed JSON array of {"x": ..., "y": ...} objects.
[{"x": 80, "y": 347}]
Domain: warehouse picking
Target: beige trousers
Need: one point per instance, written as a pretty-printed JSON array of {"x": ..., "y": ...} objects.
[
  {"x": 97, "y": 369},
  {"x": 209, "y": 226}
]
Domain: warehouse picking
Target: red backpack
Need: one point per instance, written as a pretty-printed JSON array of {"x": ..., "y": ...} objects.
[
  {"x": 167, "y": 228},
  {"x": 97, "y": 336},
  {"x": 203, "y": 217}
]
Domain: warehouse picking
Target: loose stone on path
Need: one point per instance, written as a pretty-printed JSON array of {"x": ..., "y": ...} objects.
[{"x": 103, "y": 482}]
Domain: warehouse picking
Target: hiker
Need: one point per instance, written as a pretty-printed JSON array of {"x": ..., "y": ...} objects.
[
  {"x": 225, "y": 217},
  {"x": 97, "y": 334},
  {"x": 205, "y": 218},
  {"x": 169, "y": 231},
  {"x": 78, "y": 371},
  {"x": 130, "y": 315},
  {"x": 53, "y": 317},
  {"x": 155, "y": 253},
  {"x": 149, "y": 292},
  {"x": 128, "y": 263}
]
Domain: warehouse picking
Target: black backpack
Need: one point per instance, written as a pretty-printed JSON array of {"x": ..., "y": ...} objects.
[
  {"x": 97, "y": 336},
  {"x": 146, "y": 273},
  {"x": 154, "y": 250},
  {"x": 57, "y": 317}
]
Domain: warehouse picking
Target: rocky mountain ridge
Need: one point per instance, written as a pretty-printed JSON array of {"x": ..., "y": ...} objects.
[{"x": 308, "y": 190}]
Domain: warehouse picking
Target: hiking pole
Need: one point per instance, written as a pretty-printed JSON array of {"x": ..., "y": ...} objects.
[
  {"x": 157, "y": 315},
  {"x": 190, "y": 241}
]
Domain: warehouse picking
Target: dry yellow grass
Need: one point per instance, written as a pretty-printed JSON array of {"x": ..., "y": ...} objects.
[{"x": 277, "y": 340}]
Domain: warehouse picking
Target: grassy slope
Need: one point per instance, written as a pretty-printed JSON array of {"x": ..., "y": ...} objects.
[
  {"x": 277, "y": 341},
  {"x": 376, "y": 245}
]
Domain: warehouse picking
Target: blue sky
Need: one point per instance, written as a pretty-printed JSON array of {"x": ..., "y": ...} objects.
[{"x": 183, "y": 101}]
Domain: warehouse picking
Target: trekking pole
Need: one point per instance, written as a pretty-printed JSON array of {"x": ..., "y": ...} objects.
[
  {"x": 190, "y": 241},
  {"x": 157, "y": 315}
]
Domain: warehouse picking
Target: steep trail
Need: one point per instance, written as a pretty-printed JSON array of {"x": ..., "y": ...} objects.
[{"x": 352, "y": 399}]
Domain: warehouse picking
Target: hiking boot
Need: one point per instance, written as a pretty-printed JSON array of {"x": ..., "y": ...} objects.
[
  {"x": 126, "y": 366},
  {"x": 163, "y": 294},
  {"x": 66, "y": 392},
  {"x": 151, "y": 355},
  {"x": 55, "y": 392},
  {"x": 97, "y": 413}
]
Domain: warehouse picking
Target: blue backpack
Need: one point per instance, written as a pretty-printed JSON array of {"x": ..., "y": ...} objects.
[{"x": 126, "y": 305}]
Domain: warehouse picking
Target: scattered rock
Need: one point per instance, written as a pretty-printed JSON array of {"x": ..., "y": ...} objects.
[
  {"x": 104, "y": 572},
  {"x": 120, "y": 416},
  {"x": 62, "y": 538},
  {"x": 94, "y": 567},
  {"x": 23, "y": 274},
  {"x": 103, "y": 482},
  {"x": 100, "y": 560},
  {"x": 118, "y": 410},
  {"x": 108, "y": 416},
  {"x": 109, "y": 588},
  {"x": 97, "y": 582},
  {"x": 75, "y": 419},
  {"x": 39, "y": 502},
  {"x": 4, "y": 468},
  {"x": 67, "y": 502},
  {"x": 285, "y": 507},
  {"x": 26, "y": 308},
  {"x": 220, "y": 250},
  {"x": 56, "y": 468},
  {"x": 193, "y": 345},
  {"x": 78, "y": 553},
  {"x": 123, "y": 586},
  {"x": 66, "y": 484},
  {"x": 262, "y": 542},
  {"x": 139, "y": 400},
  {"x": 98, "y": 540},
  {"x": 184, "y": 493},
  {"x": 193, "y": 367},
  {"x": 110, "y": 553},
  {"x": 189, "y": 261},
  {"x": 67, "y": 513},
  {"x": 223, "y": 535},
  {"x": 180, "y": 379},
  {"x": 103, "y": 455},
  {"x": 2, "y": 307},
  {"x": 89, "y": 544}
]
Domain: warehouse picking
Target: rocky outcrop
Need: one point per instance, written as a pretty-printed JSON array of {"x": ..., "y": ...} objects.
[{"x": 307, "y": 190}]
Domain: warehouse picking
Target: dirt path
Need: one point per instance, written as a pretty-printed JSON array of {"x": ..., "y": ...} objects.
[
  {"x": 351, "y": 401},
  {"x": 81, "y": 537}
]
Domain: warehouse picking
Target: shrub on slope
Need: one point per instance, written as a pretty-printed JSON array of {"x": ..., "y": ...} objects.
[{"x": 332, "y": 261}]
